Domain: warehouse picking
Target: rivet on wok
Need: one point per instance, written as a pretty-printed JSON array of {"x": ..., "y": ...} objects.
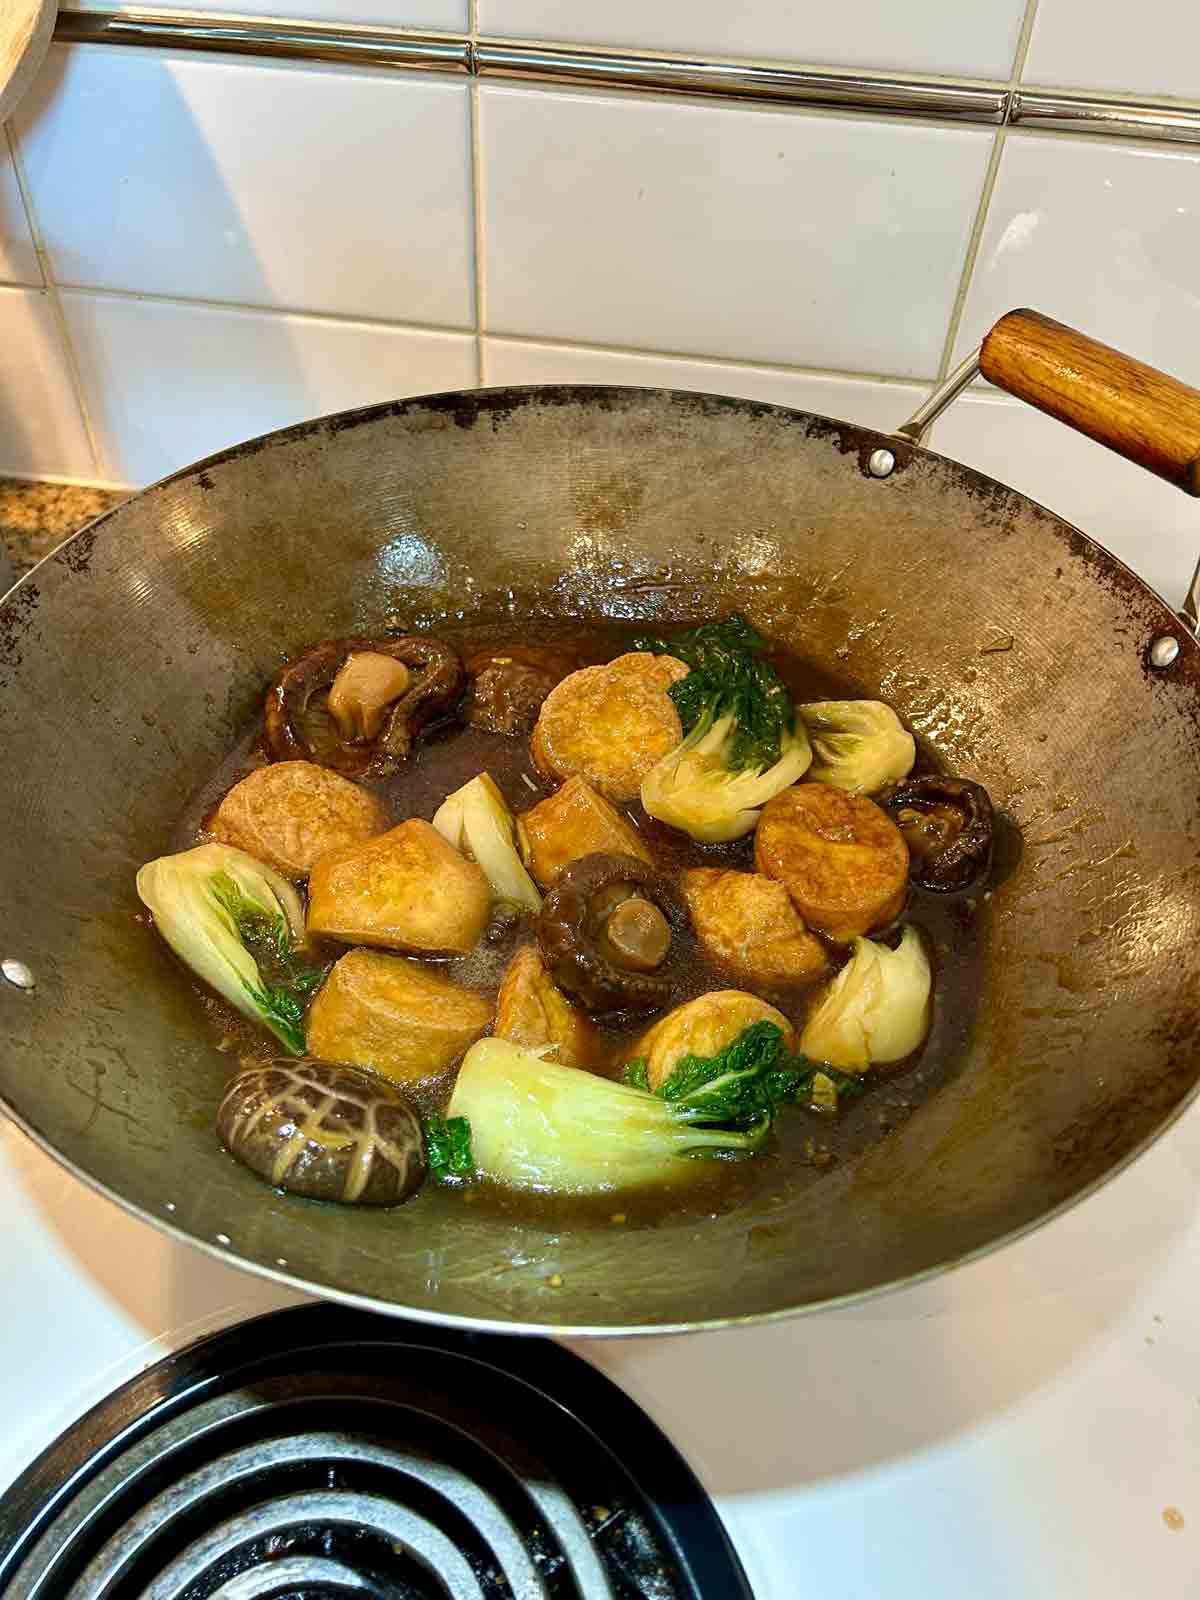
[
  {"x": 18, "y": 974},
  {"x": 1163, "y": 650},
  {"x": 882, "y": 464}
]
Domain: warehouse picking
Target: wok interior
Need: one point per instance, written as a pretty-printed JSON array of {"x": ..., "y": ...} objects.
[{"x": 129, "y": 663}]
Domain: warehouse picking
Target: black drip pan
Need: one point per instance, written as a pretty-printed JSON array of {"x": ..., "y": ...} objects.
[{"x": 325, "y": 1454}]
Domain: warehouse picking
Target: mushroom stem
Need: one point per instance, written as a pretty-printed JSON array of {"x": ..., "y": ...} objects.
[
  {"x": 638, "y": 936},
  {"x": 606, "y": 931},
  {"x": 366, "y": 685}
]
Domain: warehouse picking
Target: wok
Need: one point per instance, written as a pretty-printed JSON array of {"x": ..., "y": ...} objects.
[{"x": 131, "y": 658}]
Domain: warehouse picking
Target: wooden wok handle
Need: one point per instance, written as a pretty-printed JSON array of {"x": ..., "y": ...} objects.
[{"x": 1134, "y": 409}]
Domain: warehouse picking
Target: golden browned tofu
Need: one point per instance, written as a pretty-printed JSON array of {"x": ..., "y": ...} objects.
[
  {"x": 610, "y": 724},
  {"x": 748, "y": 925},
  {"x": 572, "y": 823},
  {"x": 840, "y": 857},
  {"x": 532, "y": 1010},
  {"x": 393, "y": 1016},
  {"x": 702, "y": 1027},
  {"x": 407, "y": 889},
  {"x": 292, "y": 813}
]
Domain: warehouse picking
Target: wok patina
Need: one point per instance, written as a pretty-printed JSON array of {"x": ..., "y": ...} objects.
[{"x": 131, "y": 659}]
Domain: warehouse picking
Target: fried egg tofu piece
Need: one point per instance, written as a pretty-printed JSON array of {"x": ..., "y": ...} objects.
[
  {"x": 747, "y": 924},
  {"x": 702, "y": 1027},
  {"x": 840, "y": 857},
  {"x": 291, "y": 813},
  {"x": 393, "y": 1016},
  {"x": 407, "y": 889},
  {"x": 574, "y": 822},
  {"x": 531, "y": 1010},
  {"x": 610, "y": 724}
]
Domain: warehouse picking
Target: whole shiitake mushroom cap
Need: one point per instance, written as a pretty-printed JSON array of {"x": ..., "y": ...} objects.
[
  {"x": 324, "y": 1131},
  {"x": 608, "y": 931}
]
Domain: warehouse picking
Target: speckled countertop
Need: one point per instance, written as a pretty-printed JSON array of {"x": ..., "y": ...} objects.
[{"x": 34, "y": 517}]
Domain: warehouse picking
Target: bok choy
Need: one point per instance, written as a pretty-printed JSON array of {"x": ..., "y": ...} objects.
[
  {"x": 536, "y": 1125},
  {"x": 742, "y": 740},
  {"x": 860, "y": 745},
  {"x": 239, "y": 925},
  {"x": 477, "y": 822},
  {"x": 876, "y": 1010}
]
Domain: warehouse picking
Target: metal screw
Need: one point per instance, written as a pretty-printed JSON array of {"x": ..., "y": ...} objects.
[
  {"x": 18, "y": 974},
  {"x": 882, "y": 464},
  {"x": 1163, "y": 650}
]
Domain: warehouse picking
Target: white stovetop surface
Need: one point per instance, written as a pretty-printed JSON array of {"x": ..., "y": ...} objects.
[{"x": 1015, "y": 1429}]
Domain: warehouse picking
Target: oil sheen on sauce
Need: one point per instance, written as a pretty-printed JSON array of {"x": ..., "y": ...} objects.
[{"x": 805, "y": 1144}]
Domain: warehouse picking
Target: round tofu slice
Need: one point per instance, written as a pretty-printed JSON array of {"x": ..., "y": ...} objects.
[
  {"x": 748, "y": 925},
  {"x": 292, "y": 813},
  {"x": 610, "y": 724},
  {"x": 840, "y": 857},
  {"x": 703, "y": 1027},
  {"x": 407, "y": 889},
  {"x": 393, "y": 1017},
  {"x": 531, "y": 1010},
  {"x": 574, "y": 822}
]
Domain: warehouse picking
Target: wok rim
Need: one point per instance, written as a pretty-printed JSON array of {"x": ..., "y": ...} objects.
[{"x": 523, "y": 393}]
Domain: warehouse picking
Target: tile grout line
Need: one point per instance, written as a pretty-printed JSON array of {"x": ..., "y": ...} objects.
[
  {"x": 239, "y": 308},
  {"x": 1024, "y": 40},
  {"x": 478, "y": 232},
  {"x": 697, "y": 358},
  {"x": 888, "y": 379},
  {"x": 248, "y": 309},
  {"x": 974, "y": 240},
  {"x": 990, "y": 175},
  {"x": 50, "y": 289}
]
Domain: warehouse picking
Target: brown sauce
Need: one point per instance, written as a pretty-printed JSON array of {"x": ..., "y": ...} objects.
[{"x": 805, "y": 1144}]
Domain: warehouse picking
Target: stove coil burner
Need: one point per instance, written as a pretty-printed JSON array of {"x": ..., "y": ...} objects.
[{"x": 322, "y": 1453}]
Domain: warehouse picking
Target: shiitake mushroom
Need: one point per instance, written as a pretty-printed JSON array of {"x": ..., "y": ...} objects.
[
  {"x": 509, "y": 683},
  {"x": 607, "y": 933},
  {"x": 948, "y": 826},
  {"x": 324, "y": 1131},
  {"x": 382, "y": 713}
]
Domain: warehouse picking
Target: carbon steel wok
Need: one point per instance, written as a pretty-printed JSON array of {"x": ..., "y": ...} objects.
[{"x": 130, "y": 660}]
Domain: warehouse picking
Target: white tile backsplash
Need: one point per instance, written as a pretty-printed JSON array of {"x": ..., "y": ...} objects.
[
  {"x": 804, "y": 257},
  {"x": 443, "y": 16},
  {"x": 41, "y": 426},
  {"x": 316, "y": 190},
  {"x": 18, "y": 258},
  {"x": 1152, "y": 527},
  {"x": 817, "y": 241},
  {"x": 1148, "y": 47},
  {"x": 941, "y": 36},
  {"x": 167, "y": 383},
  {"x": 1103, "y": 236},
  {"x": 874, "y": 405}
]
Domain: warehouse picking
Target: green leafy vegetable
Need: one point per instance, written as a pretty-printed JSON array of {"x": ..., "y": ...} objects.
[
  {"x": 238, "y": 925},
  {"x": 692, "y": 788},
  {"x": 535, "y": 1124},
  {"x": 729, "y": 677},
  {"x": 541, "y": 1126},
  {"x": 744, "y": 1083},
  {"x": 448, "y": 1148},
  {"x": 877, "y": 1009},
  {"x": 860, "y": 745},
  {"x": 742, "y": 741},
  {"x": 637, "y": 1074},
  {"x": 476, "y": 820},
  {"x": 824, "y": 1092}
]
